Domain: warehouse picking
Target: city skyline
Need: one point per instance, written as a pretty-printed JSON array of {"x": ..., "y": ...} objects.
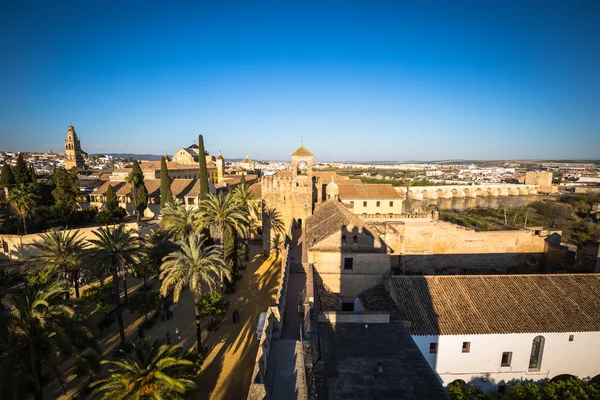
[{"x": 393, "y": 82}]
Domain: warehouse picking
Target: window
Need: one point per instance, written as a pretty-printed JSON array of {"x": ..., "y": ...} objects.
[
  {"x": 537, "y": 348},
  {"x": 343, "y": 239},
  {"x": 364, "y": 203},
  {"x": 378, "y": 204},
  {"x": 506, "y": 358},
  {"x": 432, "y": 348},
  {"x": 466, "y": 347},
  {"x": 352, "y": 203},
  {"x": 391, "y": 204},
  {"x": 355, "y": 240},
  {"x": 348, "y": 264},
  {"x": 571, "y": 337}
]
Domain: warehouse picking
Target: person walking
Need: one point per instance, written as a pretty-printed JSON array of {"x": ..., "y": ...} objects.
[
  {"x": 162, "y": 315},
  {"x": 233, "y": 316},
  {"x": 168, "y": 337},
  {"x": 178, "y": 332},
  {"x": 237, "y": 315},
  {"x": 171, "y": 310}
]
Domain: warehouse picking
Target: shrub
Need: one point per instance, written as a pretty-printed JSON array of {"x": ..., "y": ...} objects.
[{"x": 214, "y": 306}]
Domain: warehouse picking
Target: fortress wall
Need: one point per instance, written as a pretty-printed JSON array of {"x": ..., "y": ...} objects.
[
  {"x": 20, "y": 246},
  {"x": 437, "y": 246}
]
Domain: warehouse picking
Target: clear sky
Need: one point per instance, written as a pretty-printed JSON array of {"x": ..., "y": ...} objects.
[{"x": 400, "y": 80}]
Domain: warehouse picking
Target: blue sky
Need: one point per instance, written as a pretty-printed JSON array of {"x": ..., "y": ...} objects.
[{"x": 401, "y": 80}]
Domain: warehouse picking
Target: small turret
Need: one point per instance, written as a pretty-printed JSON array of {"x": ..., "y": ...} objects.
[{"x": 332, "y": 190}]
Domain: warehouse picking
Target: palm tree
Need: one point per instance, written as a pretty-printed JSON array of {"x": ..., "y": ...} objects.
[
  {"x": 195, "y": 264},
  {"x": 223, "y": 212},
  {"x": 116, "y": 249},
  {"x": 246, "y": 199},
  {"x": 149, "y": 371},
  {"x": 158, "y": 246},
  {"x": 23, "y": 200},
  {"x": 41, "y": 328},
  {"x": 59, "y": 254},
  {"x": 178, "y": 220},
  {"x": 275, "y": 225}
]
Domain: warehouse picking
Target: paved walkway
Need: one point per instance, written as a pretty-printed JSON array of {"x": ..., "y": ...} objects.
[
  {"x": 230, "y": 363},
  {"x": 286, "y": 371},
  {"x": 292, "y": 321},
  {"x": 227, "y": 370}
]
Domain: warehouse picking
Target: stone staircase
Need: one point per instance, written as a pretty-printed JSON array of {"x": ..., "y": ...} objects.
[{"x": 296, "y": 267}]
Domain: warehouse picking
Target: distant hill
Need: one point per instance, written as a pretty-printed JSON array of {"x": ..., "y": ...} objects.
[{"x": 150, "y": 157}]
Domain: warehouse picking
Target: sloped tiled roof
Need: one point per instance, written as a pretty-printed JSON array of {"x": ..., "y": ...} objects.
[
  {"x": 302, "y": 152},
  {"x": 104, "y": 187},
  {"x": 368, "y": 191},
  {"x": 256, "y": 190},
  {"x": 179, "y": 187},
  {"x": 331, "y": 218},
  {"x": 499, "y": 304}
]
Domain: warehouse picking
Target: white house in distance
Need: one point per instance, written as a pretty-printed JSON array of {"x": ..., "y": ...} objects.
[{"x": 489, "y": 330}]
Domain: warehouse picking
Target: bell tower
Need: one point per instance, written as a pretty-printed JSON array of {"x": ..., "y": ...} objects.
[
  {"x": 73, "y": 152},
  {"x": 302, "y": 183}
]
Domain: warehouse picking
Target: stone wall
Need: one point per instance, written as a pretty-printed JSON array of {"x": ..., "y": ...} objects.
[
  {"x": 258, "y": 389},
  {"x": 19, "y": 247},
  {"x": 369, "y": 269},
  {"x": 351, "y": 317},
  {"x": 427, "y": 246}
]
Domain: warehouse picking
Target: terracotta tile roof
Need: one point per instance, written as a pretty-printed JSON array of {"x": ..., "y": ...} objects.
[
  {"x": 368, "y": 191},
  {"x": 332, "y": 218},
  {"x": 155, "y": 165},
  {"x": 302, "y": 152},
  {"x": 499, "y": 304},
  {"x": 378, "y": 299},
  {"x": 256, "y": 190},
  {"x": 235, "y": 179},
  {"x": 179, "y": 187}
]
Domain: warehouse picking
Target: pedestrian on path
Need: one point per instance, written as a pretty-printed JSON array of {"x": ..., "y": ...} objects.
[
  {"x": 237, "y": 315},
  {"x": 178, "y": 332},
  {"x": 167, "y": 312},
  {"x": 171, "y": 311},
  {"x": 168, "y": 337},
  {"x": 234, "y": 315},
  {"x": 162, "y": 315}
]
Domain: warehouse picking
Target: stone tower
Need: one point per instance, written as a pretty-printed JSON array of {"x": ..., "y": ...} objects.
[
  {"x": 73, "y": 153},
  {"x": 220, "y": 167},
  {"x": 332, "y": 191},
  {"x": 303, "y": 190}
]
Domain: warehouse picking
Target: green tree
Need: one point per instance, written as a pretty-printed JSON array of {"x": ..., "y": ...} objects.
[
  {"x": 522, "y": 391},
  {"x": 180, "y": 221},
  {"x": 459, "y": 391},
  {"x": 6, "y": 176},
  {"x": 552, "y": 212},
  {"x": 112, "y": 203},
  {"x": 21, "y": 171},
  {"x": 101, "y": 298},
  {"x": 214, "y": 305},
  {"x": 66, "y": 188},
  {"x": 59, "y": 254},
  {"x": 23, "y": 201},
  {"x": 230, "y": 255},
  {"x": 165, "y": 184},
  {"x": 144, "y": 302},
  {"x": 139, "y": 193},
  {"x": 149, "y": 371},
  {"x": 41, "y": 329},
  {"x": 203, "y": 173},
  {"x": 158, "y": 246},
  {"x": 194, "y": 265},
  {"x": 115, "y": 249},
  {"x": 247, "y": 201},
  {"x": 273, "y": 227}
]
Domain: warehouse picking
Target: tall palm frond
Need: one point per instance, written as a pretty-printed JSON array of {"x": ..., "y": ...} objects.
[
  {"x": 274, "y": 226},
  {"x": 223, "y": 212},
  {"x": 149, "y": 371},
  {"x": 180, "y": 220},
  {"x": 195, "y": 264},
  {"x": 23, "y": 201},
  {"x": 41, "y": 329},
  {"x": 59, "y": 254},
  {"x": 118, "y": 250}
]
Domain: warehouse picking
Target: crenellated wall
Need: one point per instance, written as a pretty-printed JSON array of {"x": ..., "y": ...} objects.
[{"x": 449, "y": 192}]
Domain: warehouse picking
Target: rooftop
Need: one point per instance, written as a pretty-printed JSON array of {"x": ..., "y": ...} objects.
[
  {"x": 368, "y": 191},
  {"x": 302, "y": 152},
  {"x": 498, "y": 304},
  {"x": 351, "y": 354}
]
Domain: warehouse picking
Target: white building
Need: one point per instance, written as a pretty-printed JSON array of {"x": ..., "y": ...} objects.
[{"x": 490, "y": 330}]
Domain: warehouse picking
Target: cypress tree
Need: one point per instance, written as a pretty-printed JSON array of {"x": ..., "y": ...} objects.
[
  {"x": 138, "y": 190},
  {"x": 6, "y": 176},
  {"x": 165, "y": 185},
  {"x": 203, "y": 172},
  {"x": 21, "y": 171},
  {"x": 230, "y": 250},
  {"x": 112, "y": 203},
  {"x": 66, "y": 188},
  {"x": 32, "y": 173}
]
